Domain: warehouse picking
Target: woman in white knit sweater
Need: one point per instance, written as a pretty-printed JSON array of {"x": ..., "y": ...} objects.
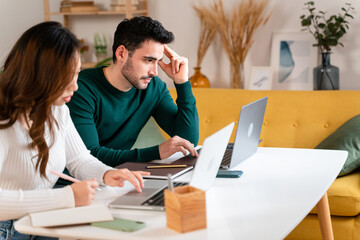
[{"x": 37, "y": 134}]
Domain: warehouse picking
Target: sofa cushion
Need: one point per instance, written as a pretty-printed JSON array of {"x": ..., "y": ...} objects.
[
  {"x": 344, "y": 195},
  {"x": 346, "y": 137}
]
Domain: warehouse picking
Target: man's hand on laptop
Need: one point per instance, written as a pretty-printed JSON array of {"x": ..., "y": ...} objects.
[
  {"x": 176, "y": 144},
  {"x": 117, "y": 177}
]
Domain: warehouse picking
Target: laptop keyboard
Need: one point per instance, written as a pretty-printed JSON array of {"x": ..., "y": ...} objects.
[
  {"x": 227, "y": 157},
  {"x": 158, "y": 199},
  {"x": 230, "y": 146}
]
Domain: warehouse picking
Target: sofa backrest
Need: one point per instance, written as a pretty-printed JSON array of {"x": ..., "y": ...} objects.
[{"x": 300, "y": 119}]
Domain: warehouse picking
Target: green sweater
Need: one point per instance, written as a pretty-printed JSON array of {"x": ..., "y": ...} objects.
[{"x": 109, "y": 120}]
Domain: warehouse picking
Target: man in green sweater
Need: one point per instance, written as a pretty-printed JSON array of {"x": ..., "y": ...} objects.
[{"x": 114, "y": 103}]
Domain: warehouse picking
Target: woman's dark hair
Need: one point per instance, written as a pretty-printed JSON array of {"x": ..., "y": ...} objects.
[
  {"x": 36, "y": 72},
  {"x": 133, "y": 32}
]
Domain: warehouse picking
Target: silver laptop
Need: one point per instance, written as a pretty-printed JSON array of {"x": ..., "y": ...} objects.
[
  {"x": 206, "y": 168},
  {"x": 247, "y": 134}
]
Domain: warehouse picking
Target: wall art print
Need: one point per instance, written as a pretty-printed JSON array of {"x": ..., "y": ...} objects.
[{"x": 293, "y": 58}]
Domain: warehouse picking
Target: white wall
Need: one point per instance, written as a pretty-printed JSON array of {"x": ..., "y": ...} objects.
[{"x": 178, "y": 16}]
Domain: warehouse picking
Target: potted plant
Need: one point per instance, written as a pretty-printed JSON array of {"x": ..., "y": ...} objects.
[
  {"x": 100, "y": 47},
  {"x": 327, "y": 33}
]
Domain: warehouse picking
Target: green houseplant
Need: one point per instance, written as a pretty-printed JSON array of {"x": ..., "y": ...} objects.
[
  {"x": 327, "y": 32},
  {"x": 100, "y": 47}
]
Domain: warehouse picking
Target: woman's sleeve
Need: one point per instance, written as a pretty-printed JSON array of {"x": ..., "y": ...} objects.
[{"x": 15, "y": 204}]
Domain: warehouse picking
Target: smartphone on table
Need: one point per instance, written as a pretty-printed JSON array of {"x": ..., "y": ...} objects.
[
  {"x": 124, "y": 225},
  {"x": 229, "y": 174}
]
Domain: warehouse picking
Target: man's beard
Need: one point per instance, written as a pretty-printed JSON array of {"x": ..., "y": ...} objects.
[{"x": 129, "y": 74}]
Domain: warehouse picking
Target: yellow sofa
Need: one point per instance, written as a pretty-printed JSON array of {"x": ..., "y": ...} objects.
[{"x": 294, "y": 119}]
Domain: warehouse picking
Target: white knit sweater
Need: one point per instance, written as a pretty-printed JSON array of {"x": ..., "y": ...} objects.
[{"x": 22, "y": 190}]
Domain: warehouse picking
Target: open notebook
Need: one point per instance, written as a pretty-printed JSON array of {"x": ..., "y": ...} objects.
[{"x": 71, "y": 216}]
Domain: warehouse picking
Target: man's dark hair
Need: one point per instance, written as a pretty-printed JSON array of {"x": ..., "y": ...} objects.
[{"x": 133, "y": 32}]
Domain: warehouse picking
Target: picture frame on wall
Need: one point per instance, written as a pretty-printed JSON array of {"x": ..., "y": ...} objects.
[
  {"x": 293, "y": 58},
  {"x": 261, "y": 78}
]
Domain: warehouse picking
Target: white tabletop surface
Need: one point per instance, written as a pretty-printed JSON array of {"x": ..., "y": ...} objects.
[{"x": 278, "y": 189}]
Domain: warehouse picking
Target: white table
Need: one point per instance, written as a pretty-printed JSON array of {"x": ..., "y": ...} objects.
[{"x": 278, "y": 189}]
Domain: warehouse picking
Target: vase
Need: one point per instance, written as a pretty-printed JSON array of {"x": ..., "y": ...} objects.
[
  {"x": 237, "y": 75},
  {"x": 199, "y": 80},
  {"x": 326, "y": 76}
]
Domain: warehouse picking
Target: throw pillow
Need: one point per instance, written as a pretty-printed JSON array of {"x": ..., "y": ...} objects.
[
  {"x": 149, "y": 136},
  {"x": 346, "y": 137}
]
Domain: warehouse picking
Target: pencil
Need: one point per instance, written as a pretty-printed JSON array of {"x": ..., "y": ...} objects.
[
  {"x": 67, "y": 177},
  {"x": 64, "y": 176},
  {"x": 166, "y": 166}
]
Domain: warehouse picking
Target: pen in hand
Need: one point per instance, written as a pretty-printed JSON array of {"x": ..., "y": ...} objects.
[{"x": 67, "y": 177}]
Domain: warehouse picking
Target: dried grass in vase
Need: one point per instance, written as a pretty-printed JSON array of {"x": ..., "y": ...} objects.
[
  {"x": 236, "y": 32},
  {"x": 207, "y": 31},
  {"x": 207, "y": 34}
]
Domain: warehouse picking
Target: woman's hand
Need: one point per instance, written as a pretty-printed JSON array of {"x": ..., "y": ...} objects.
[
  {"x": 117, "y": 177},
  {"x": 84, "y": 192}
]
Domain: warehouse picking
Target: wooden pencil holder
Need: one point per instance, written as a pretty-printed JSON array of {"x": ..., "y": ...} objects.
[{"x": 185, "y": 209}]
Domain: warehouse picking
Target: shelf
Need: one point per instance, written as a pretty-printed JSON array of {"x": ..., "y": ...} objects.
[
  {"x": 98, "y": 13},
  {"x": 128, "y": 12},
  {"x": 123, "y": 12}
]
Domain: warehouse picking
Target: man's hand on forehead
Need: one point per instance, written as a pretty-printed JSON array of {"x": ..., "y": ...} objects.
[{"x": 177, "y": 68}]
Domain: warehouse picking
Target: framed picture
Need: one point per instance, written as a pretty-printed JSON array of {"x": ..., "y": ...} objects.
[
  {"x": 293, "y": 58},
  {"x": 261, "y": 78}
]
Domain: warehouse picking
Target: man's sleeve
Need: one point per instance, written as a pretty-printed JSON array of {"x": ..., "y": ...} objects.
[
  {"x": 179, "y": 119},
  {"x": 82, "y": 110}
]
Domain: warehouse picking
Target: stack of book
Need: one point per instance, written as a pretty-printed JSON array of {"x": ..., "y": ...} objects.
[
  {"x": 120, "y": 5},
  {"x": 78, "y": 6}
]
